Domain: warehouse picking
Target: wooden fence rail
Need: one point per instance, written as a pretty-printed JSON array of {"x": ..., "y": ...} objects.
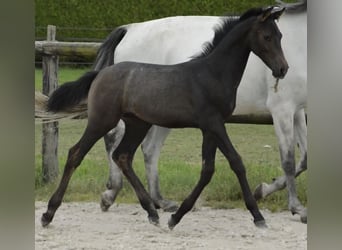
[{"x": 66, "y": 48}]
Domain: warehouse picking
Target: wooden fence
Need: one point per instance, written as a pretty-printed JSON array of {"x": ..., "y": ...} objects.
[{"x": 50, "y": 51}]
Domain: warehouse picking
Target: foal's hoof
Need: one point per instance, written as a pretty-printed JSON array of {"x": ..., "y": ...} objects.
[
  {"x": 45, "y": 220},
  {"x": 260, "y": 224},
  {"x": 172, "y": 222},
  {"x": 154, "y": 220}
]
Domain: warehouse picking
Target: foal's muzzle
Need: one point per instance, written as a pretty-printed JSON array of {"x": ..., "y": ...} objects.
[{"x": 281, "y": 71}]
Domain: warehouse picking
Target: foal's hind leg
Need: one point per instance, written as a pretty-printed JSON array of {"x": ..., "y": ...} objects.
[
  {"x": 135, "y": 132},
  {"x": 75, "y": 156}
]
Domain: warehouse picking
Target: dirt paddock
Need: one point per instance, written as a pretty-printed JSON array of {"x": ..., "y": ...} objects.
[{"x": 125, "y": 226}]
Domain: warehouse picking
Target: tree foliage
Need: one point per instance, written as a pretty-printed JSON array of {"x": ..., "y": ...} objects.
[{"x": 81, "y": 19}]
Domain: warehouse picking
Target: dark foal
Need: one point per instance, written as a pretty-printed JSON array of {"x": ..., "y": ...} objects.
[{"x": 200, "y": 94}]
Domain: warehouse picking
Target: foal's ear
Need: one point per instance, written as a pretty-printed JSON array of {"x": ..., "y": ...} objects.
[
  {"x": 277, "y": 14},
  {"x": 265, "y": 14}
]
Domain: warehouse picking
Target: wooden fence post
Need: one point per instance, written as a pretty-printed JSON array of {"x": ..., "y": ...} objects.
[{"x": 50, "y": 130}]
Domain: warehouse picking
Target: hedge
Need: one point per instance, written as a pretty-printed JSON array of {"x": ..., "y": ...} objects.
[{"x": 80, "y": 20}]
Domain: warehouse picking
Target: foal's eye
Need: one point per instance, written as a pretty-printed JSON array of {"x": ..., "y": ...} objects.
[{"x": 267, "y": 38}]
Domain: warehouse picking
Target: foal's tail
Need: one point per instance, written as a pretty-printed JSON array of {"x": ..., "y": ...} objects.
[
  {"x": 67, "y": 101},
  {"x": 70, "y": 99},
  {"x": 71, "y": 93}
]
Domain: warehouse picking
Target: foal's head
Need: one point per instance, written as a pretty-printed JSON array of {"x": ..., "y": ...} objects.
[{"x": 264, "y": 40}]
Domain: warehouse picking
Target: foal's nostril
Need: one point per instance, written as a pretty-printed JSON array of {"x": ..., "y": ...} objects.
[{"x": 283, "y": 71}]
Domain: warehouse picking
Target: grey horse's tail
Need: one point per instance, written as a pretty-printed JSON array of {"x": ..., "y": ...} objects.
[
  {"x": 71, "y": 93},
  {"x": 105, "y": 54}
]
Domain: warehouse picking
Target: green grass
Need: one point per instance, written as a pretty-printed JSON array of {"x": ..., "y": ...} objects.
[
  {"x": 64, "y": 74},
  {"x": 179, "y": 166}
]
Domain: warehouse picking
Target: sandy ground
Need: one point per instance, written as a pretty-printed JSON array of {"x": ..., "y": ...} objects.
[{"x": 85, "y": 226}]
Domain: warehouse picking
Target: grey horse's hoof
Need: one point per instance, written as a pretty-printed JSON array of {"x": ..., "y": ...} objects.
[
  {"x": 303, "y": 215},
  {"x": 302, "y": 212},
  {"x": 304, "y": 219},
  {"x": 104, "y": 205},
  {"x": 105, "y": 202},
  {"x": 168, "y": 206},
  {"x": 260, "y": 224},
  {"x": 258, "y": 193}
]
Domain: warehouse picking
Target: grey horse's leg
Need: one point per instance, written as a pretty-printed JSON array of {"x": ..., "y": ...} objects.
[
  {"x": 301, "y": 138},
  {"x": 284, "y": 124},
  {"x": 151, "y": 148},
  {"x": 300, "y": 132},
  {"x": 114, "y": 184}
]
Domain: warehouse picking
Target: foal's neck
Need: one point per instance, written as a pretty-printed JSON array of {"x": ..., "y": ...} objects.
[{"x": 228, "y": 61}]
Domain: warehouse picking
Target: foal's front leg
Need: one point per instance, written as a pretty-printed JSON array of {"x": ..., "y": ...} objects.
[
  {"x": 236, "y": 164},
  {"x": 208, "y": 168},
  {"x": 124, "y": 161}
]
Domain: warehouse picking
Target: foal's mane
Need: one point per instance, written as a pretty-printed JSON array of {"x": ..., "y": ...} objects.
[{"x": 227, "y": 23}]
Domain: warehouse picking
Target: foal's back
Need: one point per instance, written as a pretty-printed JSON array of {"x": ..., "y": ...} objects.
[{"x": 128, "y": 85}]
